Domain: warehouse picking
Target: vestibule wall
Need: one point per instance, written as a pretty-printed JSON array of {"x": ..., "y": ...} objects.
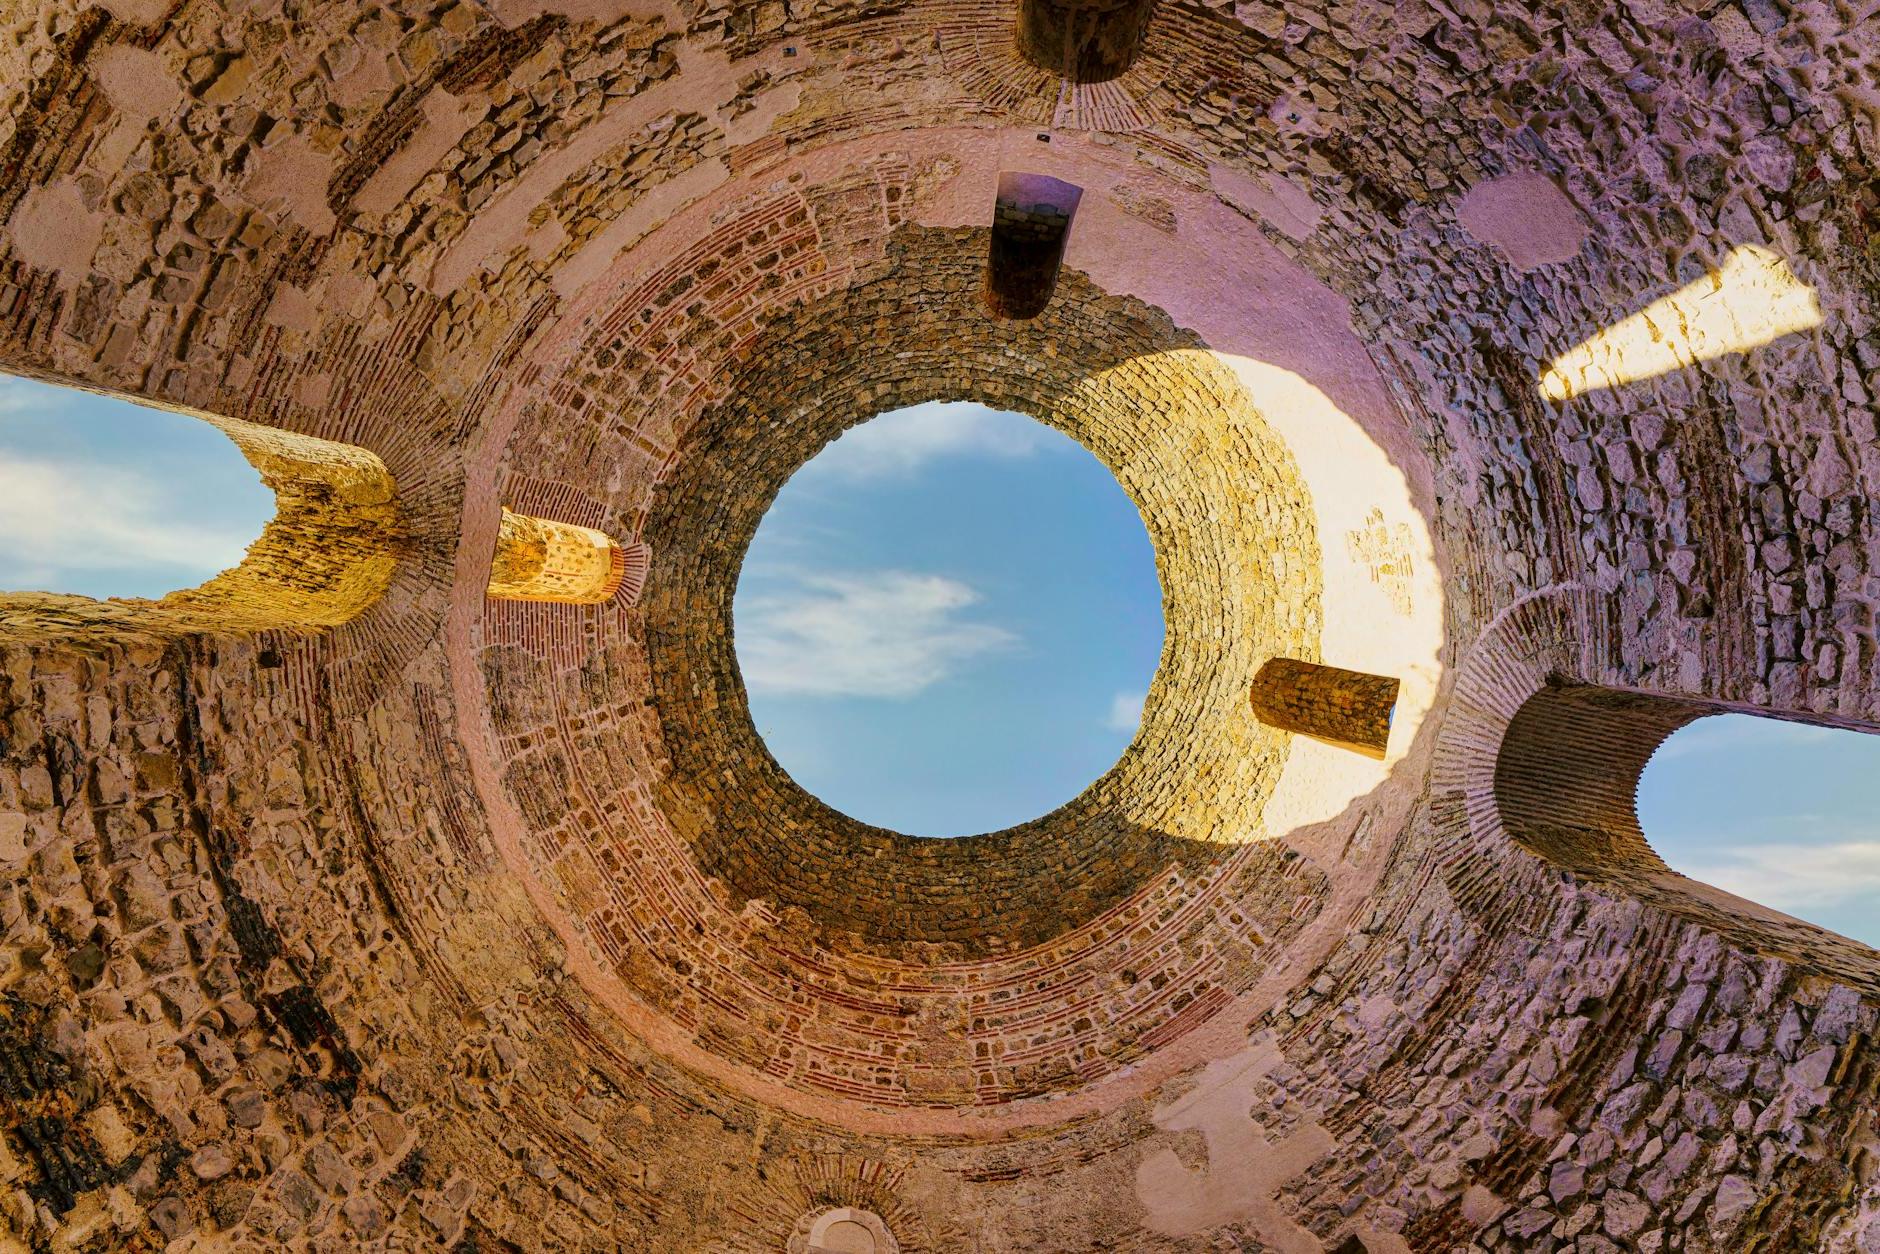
[{"x": 401, "y": 933}]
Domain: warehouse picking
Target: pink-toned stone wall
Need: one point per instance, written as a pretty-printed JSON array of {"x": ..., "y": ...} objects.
[{"x": 401, "y": 934}]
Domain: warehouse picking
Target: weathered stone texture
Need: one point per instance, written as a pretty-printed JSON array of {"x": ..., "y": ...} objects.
[
  {"x": 538, "y": 559},
  {"x": 1346, "y": 708},
  {"x": 489, "y": 924}
]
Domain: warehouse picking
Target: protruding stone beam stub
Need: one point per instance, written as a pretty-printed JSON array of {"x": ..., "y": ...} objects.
[
  {"x": 1350, "y": 709},
  {"x": 1030, "y": 222},
  {"x": 540, "y": 560},
  {"x": 1085, "y": 41}
]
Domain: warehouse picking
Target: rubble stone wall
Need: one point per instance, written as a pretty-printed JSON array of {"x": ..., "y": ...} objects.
[{"x": 433, "y": 927}]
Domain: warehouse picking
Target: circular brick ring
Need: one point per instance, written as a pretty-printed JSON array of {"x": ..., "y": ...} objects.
[{"x": 1236, "y": 551}]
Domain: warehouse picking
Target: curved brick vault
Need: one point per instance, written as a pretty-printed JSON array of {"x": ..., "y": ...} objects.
[{"x": 487, "y": 923}]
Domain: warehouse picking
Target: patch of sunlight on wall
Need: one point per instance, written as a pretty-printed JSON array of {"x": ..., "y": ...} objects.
[
  {"x": 1381, "y": 593},
  {"x": 1751, "y": 300},
  {"x": 102, "y": 498},
  {"x": 1785, "y": 814}
]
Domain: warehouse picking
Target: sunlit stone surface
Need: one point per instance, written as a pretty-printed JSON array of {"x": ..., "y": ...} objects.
[
  {"x": 449, "y": 921},
  {"x": 1750, "y": 300},
  {"x": 540, "y": 560}
]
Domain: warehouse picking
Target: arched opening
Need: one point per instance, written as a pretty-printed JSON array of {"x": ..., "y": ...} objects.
[
  {"x": 561, "y": 563},
  {"x": 949, "y": 621},
  {"x": 1567, "y": 788},
  {"x": 1165, "y": 422},
  {"x": 1030, "y": 222},
  {"x": 327, "y": 552},
  {"x": 843, "y": 1230},
  {"x": 102, "y": 498},
  {"x": 1085, "y": 41}
]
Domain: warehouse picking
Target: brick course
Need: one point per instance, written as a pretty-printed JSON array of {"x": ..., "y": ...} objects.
[{"x": 489, "y": 925}]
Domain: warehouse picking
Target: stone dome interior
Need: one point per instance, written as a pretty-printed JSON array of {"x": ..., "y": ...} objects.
[{"x": 1496, "y": 386}]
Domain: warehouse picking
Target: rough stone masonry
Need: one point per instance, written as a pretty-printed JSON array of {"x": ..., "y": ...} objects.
[{"x": 407, "y": 916}]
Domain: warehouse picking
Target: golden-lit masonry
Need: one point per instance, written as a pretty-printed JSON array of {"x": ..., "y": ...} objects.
[
  {"x": 423, "y": 917},
  {"x": 1749, "y": 301},
  {"x": 540, "y": 560},
  {"x": 329, "y": 553}
]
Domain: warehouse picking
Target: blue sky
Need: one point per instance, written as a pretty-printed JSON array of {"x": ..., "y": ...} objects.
[
  {"x": 946, "y": 624},
  {"x": 948, "y": 620},
  {"x": 1784, "y": 813},
  {"x": 105, "y": 498}
]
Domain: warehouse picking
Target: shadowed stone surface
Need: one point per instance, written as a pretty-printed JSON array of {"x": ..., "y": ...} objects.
[{"x": 483, "y": 924}]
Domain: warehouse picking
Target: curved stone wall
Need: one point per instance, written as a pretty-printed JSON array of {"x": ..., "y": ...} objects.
[
  {"x": 952, "y": 926},
  {"x": 1180, "y": 433},
  {"x": 447, "y": 926}
]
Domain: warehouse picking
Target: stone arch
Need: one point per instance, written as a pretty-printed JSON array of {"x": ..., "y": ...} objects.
[
  {"x": 329, "y": 553},
  {"x": 538, "y": 559},
  {"x": 842, "y": 1230},
  {"x": 1566, "y": 788},
  {"x": 1535, "y": 780}
]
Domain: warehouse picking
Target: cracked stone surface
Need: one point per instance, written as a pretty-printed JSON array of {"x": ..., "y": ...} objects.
[{"x": 482, "y": 924}]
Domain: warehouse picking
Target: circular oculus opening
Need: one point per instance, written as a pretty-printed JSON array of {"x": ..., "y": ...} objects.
[
  {"x": 1236, "y": 550},
  {"x": 949, "y": 620}
]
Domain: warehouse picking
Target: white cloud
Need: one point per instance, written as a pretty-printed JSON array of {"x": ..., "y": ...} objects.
[
  {"x": 1795, "y": 876},
  {"x": 890, "y": 634},
  {"x": 63, "y": 516},
  {"x": 1126, "y": 712},
  {"x": 1736, "y": 732},
  {"x": 899, "y": 443}
]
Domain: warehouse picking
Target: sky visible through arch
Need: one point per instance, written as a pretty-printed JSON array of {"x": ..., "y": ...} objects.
[
  {"x": 947, "y": 625},
  {"x": 104, "y": 498},
  {"x": 948, "y": 621},
  {"x": 1787, "y": 814}
]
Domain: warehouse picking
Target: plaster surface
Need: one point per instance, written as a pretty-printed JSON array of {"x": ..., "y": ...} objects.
[{"x": 445, "y": 920}]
